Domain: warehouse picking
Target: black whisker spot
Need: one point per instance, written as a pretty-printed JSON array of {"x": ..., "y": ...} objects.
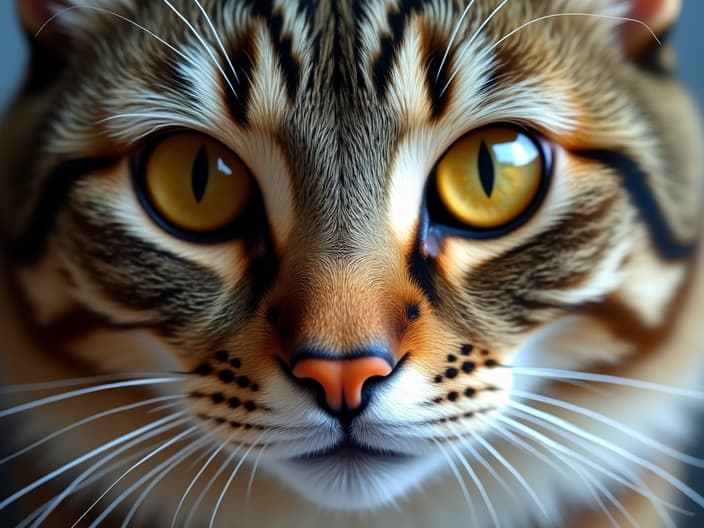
[
  {"x": 221, "y": 356},
  {"x": 226, "y": 376},
  {"x": 203, "y": 370},
  {"x": 235, "y": 363},
  {"x": 468, "y": 366}
]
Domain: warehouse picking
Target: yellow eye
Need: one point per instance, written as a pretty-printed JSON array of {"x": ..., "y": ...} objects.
[
  {"x": 195, "y": 183},
  {"x": 491, "y": 177}
]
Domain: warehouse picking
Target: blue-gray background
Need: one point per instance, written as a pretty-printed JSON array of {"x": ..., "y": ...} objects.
[{"x": 687, "y": 39}]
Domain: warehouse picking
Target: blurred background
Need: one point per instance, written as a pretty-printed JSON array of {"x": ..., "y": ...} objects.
[{"x": 687, "y": 39}]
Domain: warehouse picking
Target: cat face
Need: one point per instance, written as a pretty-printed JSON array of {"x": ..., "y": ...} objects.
[{"x": 349, "y": 224}]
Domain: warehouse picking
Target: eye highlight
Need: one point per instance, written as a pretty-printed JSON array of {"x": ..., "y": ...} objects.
[
  {"x": 194, "y": 184},
  {"x": 491, "y": 179}
]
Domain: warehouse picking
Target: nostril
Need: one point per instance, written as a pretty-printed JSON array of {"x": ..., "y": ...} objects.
[{"x": 345, "y": 381}]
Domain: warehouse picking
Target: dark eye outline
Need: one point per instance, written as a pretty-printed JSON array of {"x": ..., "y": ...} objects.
[
  {"x": 249, "y": 225},
  {"x": 437, "y": 218}
]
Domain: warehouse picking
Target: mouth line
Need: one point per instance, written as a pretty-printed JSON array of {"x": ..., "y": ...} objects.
[{"x": 348, "y": 448}]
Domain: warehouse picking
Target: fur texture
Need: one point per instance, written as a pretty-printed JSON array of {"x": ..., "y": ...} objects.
[{"x": 341, "y": 111}]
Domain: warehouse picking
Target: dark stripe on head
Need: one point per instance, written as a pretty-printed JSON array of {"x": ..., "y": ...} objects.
[
  {"x": 389, "y": 45},
  {"x": 32, "y": 243},
  {"x": 242, "y": 63},
  {"x": 635, "y": 181},
  {"x": 282, "y": 44},
  {"x": 436, "y": 78}
]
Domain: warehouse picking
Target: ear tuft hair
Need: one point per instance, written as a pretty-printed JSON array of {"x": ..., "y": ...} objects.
[
  {"x": 53, "y": 22},
  {"x": 659, "y": 15}
]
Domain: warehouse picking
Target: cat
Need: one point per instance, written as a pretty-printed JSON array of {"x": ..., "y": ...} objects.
[{"x": 349, "y": 263}]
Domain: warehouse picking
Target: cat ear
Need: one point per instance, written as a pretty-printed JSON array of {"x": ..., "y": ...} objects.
[
  {"x": 659, "y": 15},
  {"x": 34, "y": 14}
]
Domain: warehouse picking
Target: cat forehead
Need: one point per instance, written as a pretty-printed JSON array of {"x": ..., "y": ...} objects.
[{"x": 354, "y": 74}]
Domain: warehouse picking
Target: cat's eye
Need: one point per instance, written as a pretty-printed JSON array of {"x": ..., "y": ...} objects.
[
  {"x": 490, "y": 180},
  {"x": 194, "y": 184}
]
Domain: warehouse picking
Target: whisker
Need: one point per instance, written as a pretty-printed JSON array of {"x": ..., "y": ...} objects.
[
  {"x": 218, "y": 39},
  {"x": 91, "y": 454},
  {"x": 164, "y": 468},
  {"x": 203, "y": 44},
  {"x": 155, "y": 452},
  {"x": 201, "y": 457},
  {"x": 232, "y": 477},
  {"x": 121, "y": 17},
  {"x": 210, "y": 483},
  {"x": 556, "y": 446},
  {"x": 217, "y": 450},
  {"x": 132, "y": 115},
  {"x": 524, "y": 445},
  {"x": 463, "y": 487},
  {"x": 478, "y": 456},
  {"x": 517, "y": 475},
  {"x": 167, "y": 406},
  {"x": 73, "y": 382},
  {"x": 81, "y": 392},
  {"x": 591, "y": 15},
  {"x": 477, "y": 482},
  {"x": 82, "y": 480},
  {"x": 677, "y": 455},
  {"x": 469, "y": 43},
  {"x": 83, "y": 422},
  {"x": 576, "y": 468},
  {"x": 453, "y": 37},
  {"x": 88, "y": 482},
  {"x": 657, "y": 503},
  {"x": 625, "y": 471},
  {"x": 645, "y": 464},
  {"x": 605, "y": 378},
  {"x": 254, "y": 470}
]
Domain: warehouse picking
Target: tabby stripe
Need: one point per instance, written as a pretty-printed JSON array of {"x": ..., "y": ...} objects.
[
  {"x": 243, "y": 63},
  {"x": 390, "y": 44},
  {"x": 282, "y": 44},
  {"x": 435, "y": 78},
  {"x": 30, "y": 246},
  {"x": 635, "y": 182}
]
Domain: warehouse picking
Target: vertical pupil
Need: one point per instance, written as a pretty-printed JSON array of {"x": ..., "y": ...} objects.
[
  {"x": 199, "y": 174},
  {"x": 486, "y": 170}
]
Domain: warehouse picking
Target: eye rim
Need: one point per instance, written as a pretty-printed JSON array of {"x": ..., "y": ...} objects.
[
  {"x": 246, "y": 226},
  {"x": 442, "y": 222}
]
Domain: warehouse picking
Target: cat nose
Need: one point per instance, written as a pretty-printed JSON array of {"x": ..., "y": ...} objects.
[{"x": 342, "y": 379}]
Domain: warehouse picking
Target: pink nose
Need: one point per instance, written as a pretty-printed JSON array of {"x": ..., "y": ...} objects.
[{"x": 342, "y": 379}]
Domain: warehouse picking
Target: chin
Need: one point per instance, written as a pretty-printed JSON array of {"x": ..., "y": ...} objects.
[{"x": 354, "y": 480}]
